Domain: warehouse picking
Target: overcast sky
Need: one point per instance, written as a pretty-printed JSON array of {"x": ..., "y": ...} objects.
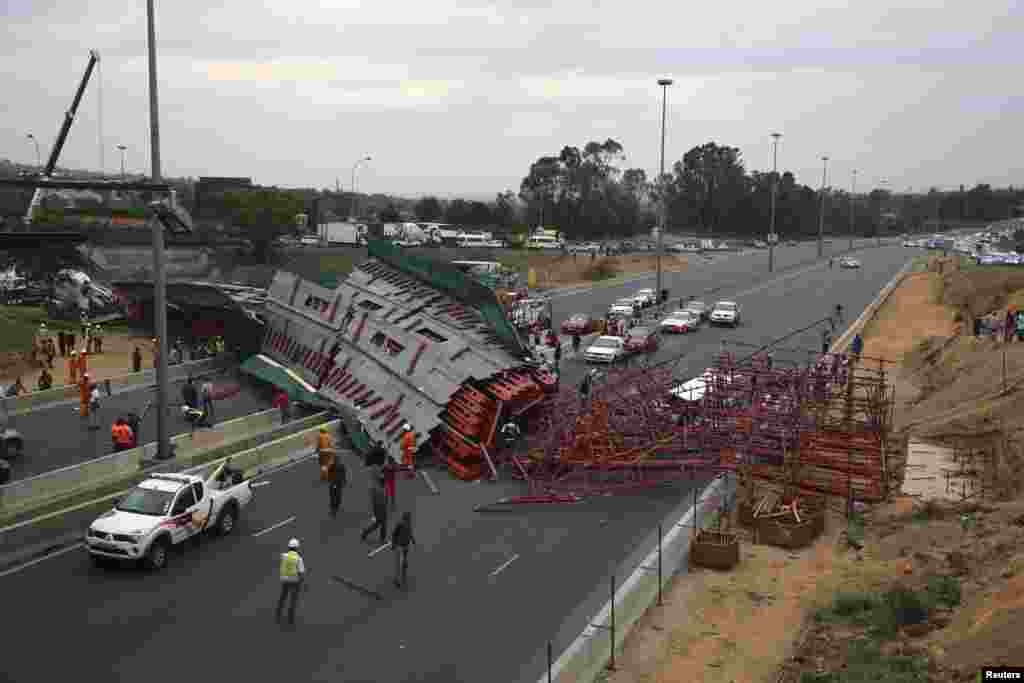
[{"x": 456, "y": 97}]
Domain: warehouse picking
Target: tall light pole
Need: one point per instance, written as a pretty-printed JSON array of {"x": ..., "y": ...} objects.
[
  {"x": 39, "y": 157},
  {"x": 853, "y": 207},
  {"x": 122, "y": 148},
  {"x": 664, "y": 83},
  {"x": 353, "y": 186},
  {"x": 159, "y": 281},
  {"x": 775, "y": 190},
  {"x": 821, "y": 218}
]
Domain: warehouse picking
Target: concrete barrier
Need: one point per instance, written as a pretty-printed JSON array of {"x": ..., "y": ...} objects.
[
  {"x": 45, "y": 489},
  {"x": 36, "y": 399},
  {"x": 255, "y": 461},
  {"x": 590, "y": 653}
]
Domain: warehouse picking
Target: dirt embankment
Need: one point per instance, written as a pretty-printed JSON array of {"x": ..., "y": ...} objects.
[{"x": 560, "y": 270}]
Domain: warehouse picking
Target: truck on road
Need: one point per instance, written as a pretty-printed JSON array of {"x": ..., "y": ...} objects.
[
  {"x": 352, "y": 234},
  {"x": 165, "y": 510}
]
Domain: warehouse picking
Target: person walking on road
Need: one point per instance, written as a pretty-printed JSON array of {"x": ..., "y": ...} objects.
[
  {"x": 379, "y": 506},
  {"x": 136, "y": 360},
  {"x": 401, "y": 539},
  {"x": 189, "y": 393},
  {"x": 339, "y": 480},
  {"x": 282, "y": 403},
  {"x": 408, "y": 444},
  {"x": 390, "y": 475},
  {"x": 94, "y": 406},
  {"x": 206, "y": 394},
  {"x": 293, "y": 575},
  {"x": 576, "y": 343},
  {"x": 558, "y": 354}
]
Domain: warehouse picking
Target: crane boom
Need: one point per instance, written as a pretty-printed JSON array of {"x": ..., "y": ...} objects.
[{"x": 65, "y": 128}]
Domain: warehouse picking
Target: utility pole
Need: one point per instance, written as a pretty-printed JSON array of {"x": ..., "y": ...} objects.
[
  {"x": 853, "y": 207},
  {"x": 355, "y": 216},
  {"x": 122, "y": 149},
  {"x": 664, "y": 83},
  {"x": 775, "y": 190},
  {"x": 821, "y": 219},
  {"x": 159, "y": 281}
]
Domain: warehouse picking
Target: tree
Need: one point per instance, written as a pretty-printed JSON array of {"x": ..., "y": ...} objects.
[
  {"x": 390, "y": 214},
  {"x": 428, "y": 209},
  {"x": 506, "y": 209},
  {"x": 264, "y": 215}
]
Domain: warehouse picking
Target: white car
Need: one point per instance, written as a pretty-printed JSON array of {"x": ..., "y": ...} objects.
[
  {"x": 166, "y": 510},
  {"x": 310, "y": 241},
  {"x": 849, "y": 263},
  {"x": 626, "y": 306},
  {"x": 645, "y": 297},
  {"x": 680, "y": 322},
  {"x": 726, "y": 313},
  {"x": 605, "y": 349}
]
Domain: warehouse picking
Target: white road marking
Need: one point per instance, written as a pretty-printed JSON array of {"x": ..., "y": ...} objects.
[
  {"x": 259, "y": 484},
  {"x": 505, "y": 565},
  {"x": 58, "y": 553},
  {"x": 276, "y": 526}
]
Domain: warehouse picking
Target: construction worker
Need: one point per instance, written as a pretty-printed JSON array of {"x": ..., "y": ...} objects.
[
  {"x": 73, "y": 368},
  {"x": 379, "y": 507},
  {"x": 83, "y": 361},
  {"x": 293, "y": 574},
  {"x": 97, "y": 336},
  {"x": 83, "y": 396},
  {"x": 326, "y": 454},
  {"x": 136, "y": 360},
  {"x": 408, "y": 443},
  {"x": 122, "y": 436},
  {"x": 206, "y": 395},
  {"x": 339, "y": 480},
  {"x": 401, "y": 539}
]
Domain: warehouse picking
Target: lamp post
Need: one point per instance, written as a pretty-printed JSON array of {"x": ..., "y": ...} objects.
[
  {"x": 821, "y": 218},
  {"x": 853, "y": 207},
  {"x": 159, "y": 281},
  {"x": 664, "y": 83},
  {"x": 354, "y": 198},
  {"x": 122, "y": 148},
  {"x": 39, "y": 157},
  {"x": 775, "y": 189}
]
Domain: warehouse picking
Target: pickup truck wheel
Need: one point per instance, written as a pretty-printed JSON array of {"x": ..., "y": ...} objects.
[
  {"x": 227, "y": 519},
  {"x": 156, "y": 558}
]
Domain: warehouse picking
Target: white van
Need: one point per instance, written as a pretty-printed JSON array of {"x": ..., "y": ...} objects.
[{"x": 544, "y": 242}]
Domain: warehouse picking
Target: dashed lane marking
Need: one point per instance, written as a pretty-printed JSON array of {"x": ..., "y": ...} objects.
[
  {"x": 504, "y": 565},
  {"x": 32, "y": 563}
]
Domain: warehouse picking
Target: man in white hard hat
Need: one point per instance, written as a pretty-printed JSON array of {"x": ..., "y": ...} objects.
[{"x": 293, "y": 573}]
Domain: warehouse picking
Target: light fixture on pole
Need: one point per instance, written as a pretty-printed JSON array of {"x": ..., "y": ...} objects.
[
  {"x": 664, "y": 83},
  {"x": 163, "y": 449},
  {"x": 39, "y": 157},
  {"x": 775, "y": 190},
  {"x": 353, "y": 185},
  {"x": 853, "y": 207},
  {"x": 821, "y": 218},
  {"x": 122, "y": 149}
]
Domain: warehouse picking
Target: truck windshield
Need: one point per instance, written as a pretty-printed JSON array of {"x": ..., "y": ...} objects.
[{"x": 146, "y": 502}]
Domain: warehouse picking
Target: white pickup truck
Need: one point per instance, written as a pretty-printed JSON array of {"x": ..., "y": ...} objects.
[{"x": 165, "y": 510}]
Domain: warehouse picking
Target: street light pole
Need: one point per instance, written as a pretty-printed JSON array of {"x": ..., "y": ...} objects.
[
  {"x": 664, "y": 83},
  {"x": 122, "y": 148},
  {"x": 159, "y": 281},
  {"x": 775, "y": 189},
  {"x": 39, "y": 157},
  {"x": 853, "y": 207},
  {"x": 821, "y": 218},
  {"x": 353, "y": 185}
]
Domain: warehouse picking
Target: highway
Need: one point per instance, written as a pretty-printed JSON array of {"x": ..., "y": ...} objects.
[
  {"x": 488, "y": 590},
  {"x": 57, "y": 436}
]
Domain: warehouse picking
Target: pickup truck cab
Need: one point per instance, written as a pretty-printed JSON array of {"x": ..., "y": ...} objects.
[{"x": 166, "y": 510}]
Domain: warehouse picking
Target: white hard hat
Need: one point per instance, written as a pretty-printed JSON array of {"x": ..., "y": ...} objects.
[
  {"x": 293, "y": 544},
  {"x": 407, "y": 427}
]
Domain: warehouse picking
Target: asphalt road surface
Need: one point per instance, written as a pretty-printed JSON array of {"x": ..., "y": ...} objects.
[
  {"x": 487, "y": 590},
  {"x": 57, "y": 436}
]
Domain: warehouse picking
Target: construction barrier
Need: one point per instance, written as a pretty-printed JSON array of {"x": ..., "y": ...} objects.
[
  {"x": 26, "y": 494},
  {"x": 37, "y": 399},
  {"x": 585, "y": 657}
]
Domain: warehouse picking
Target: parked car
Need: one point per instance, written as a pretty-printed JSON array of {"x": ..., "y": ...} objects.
[
  {"x": 605, "y": 349},
  {"x": 849, "y": 263},
  {"x": 698, "y": 308},
  {"x": 642, "y": 340},
  {"x": 166, "y": 510},
  {"x": 627, "y": 306},
  {"x": 726, "y": 313},
  {"x": 579, "y": 323},
  {"x": 680, "y": 322},
  {"x": 645, "y": 297}
]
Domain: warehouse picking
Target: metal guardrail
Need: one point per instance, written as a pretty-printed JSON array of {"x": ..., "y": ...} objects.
[{"x": 50, "y": 487}]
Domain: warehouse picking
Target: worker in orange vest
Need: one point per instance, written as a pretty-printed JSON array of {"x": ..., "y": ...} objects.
[
  {"x": 326, "y": 453},
  {"x": 73, "y": 368},
  {"x": 408, "y": 443},
  {"x": 83, "y": 389},
  {"x": 83, "y": 361}
]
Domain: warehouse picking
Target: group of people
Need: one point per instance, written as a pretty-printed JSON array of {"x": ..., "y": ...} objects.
[
  {"x": 197, "y": 402},
  {"x": 1001, "y": 327},
  {"x": 383, "y": 474}
]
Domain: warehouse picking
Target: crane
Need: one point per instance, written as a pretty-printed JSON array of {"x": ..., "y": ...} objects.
[{"x": 62, "y": 136}]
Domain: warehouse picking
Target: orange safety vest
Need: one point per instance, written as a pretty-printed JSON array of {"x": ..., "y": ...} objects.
[
  {"x": 408, "y": 447},
  {"x": 324, "y": 441}
]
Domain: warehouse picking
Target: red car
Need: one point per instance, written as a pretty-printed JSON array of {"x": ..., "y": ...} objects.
[
  {"x": 580, "y": 323},
  {"x": 642, "y": 340}
]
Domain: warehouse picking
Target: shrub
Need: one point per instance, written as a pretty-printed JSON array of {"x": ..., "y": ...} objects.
[
  {"x": 944, "y": 591},
  {"x": 850, "y": 604}
]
